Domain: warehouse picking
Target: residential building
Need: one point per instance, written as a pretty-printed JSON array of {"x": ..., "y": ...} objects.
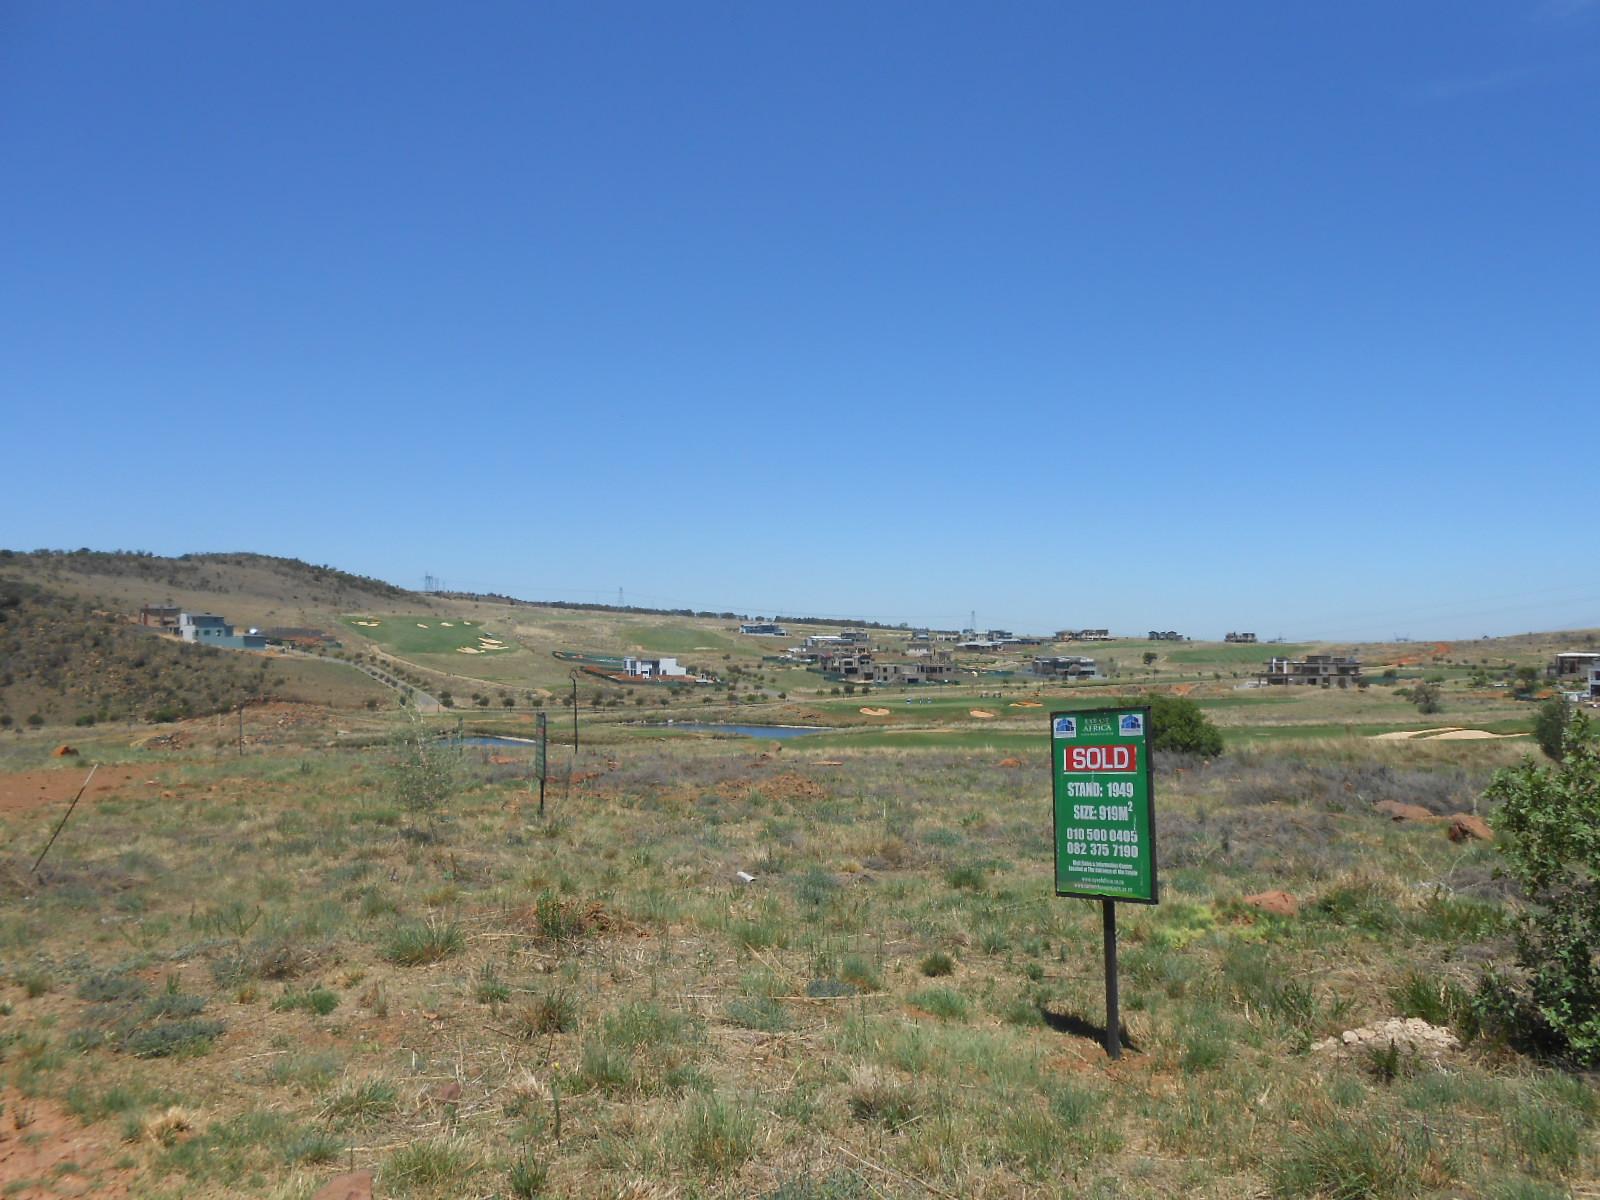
[
  {"x": 764, "y": 629},
  {"x": 1572, "y": 664},
  {"x": 935, "y": 668},
  {"x": 1240, "y": 637},
  {"x": 208, "y": 629},
  {"x": 652, "y": 668},
  {"x": 845, "y": 663},
  {"x": 1065, "y": 666},
  {"x": 162, "y": 616},
  {"x": 1314, "y": 670},
  {"x": 1083, "y": 635},
  {"x": 1170, "y": 635}
]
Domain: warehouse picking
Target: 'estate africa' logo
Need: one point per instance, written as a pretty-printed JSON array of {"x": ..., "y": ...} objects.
[
  {"x": 1066, "y": 727},
  {"x": 1132, "y": 724}
]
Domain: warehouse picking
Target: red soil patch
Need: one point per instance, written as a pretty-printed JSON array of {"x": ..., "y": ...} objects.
[
  {"x": 52, "y": 1141},
  {"x": 24, "y": 790}
]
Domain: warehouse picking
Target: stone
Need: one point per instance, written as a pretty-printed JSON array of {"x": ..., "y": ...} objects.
[
  {"x": 1276, "y": 903},
  {"x": 357, "y": 1185},
  {"x": 64, "y": 751},
  {"x": 1465, "y": 827},
  {"x": 1404, "y": 812},
  {"x": 1411, "y": 1034}
]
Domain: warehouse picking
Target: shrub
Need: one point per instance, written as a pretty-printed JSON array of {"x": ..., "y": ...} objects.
[
  {"x": 938, "y": 963},
  {"x": 715, "y": 1135},
  {"x": 881, "y": 1101},
  {"x": 428, "y": 1165},
  {"x": 1547, "y": 842},
  {"x": 1178, "y": 726},
  {"x": 945, "y": 1003},
  {"x": 417, "y": 943},
  {"x": 1351, "y": 1160}
]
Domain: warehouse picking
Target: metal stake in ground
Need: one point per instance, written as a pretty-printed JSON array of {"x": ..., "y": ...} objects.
[
  {"x": 544, "y": 757},
  {"x": 1108, "y": 925},
  {"x": 64, "y": 817},
  {"x": 574, "y": 714}
]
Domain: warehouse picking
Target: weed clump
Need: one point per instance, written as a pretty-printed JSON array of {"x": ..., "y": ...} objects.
[
  {"x": 418, "y": 943},
  {"x": 715, "y": 1135}
]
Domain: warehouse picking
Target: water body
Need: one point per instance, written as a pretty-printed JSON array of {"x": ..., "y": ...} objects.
[{"x": 482, "y": 740}]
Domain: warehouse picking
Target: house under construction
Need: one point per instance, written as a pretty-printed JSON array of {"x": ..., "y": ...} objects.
[{"x": 1314, "y": 670}]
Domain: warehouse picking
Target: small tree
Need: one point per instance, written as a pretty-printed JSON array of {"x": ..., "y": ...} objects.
[
  {"x": 1150, "y": 656},
  {"x": 1549, "y": 840},
  {"x": 1426, "y": 697},
  {"x": 1550, "y": 726},
  {"x": 421, "y": 773}
]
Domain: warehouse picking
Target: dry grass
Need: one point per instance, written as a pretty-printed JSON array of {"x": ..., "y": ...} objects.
[{"x": 595, "y": 1005}]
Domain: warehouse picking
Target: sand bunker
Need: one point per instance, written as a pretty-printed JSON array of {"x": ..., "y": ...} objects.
[
  {"x": 368, "y": 624},
  {"x": 1026, "y": 704},
  {"x": 468, "y": 650},
  {"x": 983, "y": 714},
  {"x": 875, "y": 712},
  {"x": 420, "y": 625},
  {"x": 446, "y": 625},
  {"x": 1449, "y": 733}
]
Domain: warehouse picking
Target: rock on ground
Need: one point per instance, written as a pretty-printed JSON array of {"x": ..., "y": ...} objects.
[
  {"x": 1466, "y": 827},
  {"x": 355, "y": 1186},
  {"x": 1277, "y": 903},
  {"x": 1409, "y": 1033}
]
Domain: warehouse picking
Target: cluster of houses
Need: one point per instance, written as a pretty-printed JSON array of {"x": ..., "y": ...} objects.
[
  {"x": 209, "y": 629},
  {"x": 1083, "y": 635},
  {"x": 1243, "y": 638}
]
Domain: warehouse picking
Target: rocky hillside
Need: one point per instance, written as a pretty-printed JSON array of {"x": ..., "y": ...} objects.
[{"x": 64, "y": 661}]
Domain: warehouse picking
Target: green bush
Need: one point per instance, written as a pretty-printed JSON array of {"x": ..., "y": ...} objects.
[
  {"x": 1549, "y": 841},
  {"x": 1550, "y": 726},
  {"x": 1178, "y": 726}
]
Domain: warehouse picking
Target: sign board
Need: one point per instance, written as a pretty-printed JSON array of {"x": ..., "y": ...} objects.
[{"x": 1105, "y": 827}]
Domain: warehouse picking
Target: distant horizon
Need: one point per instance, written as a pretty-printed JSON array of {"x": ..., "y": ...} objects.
[{"x": 446, "y": 586}]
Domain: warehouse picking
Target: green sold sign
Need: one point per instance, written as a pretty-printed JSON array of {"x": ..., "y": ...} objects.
[{"x": 1105, "y": 831}]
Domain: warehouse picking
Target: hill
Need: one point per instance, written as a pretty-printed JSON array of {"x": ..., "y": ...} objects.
[{"x": 249, "y": 589}]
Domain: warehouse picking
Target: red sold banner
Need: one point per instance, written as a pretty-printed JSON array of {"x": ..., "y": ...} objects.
[{"x": 1105, "y": 760}]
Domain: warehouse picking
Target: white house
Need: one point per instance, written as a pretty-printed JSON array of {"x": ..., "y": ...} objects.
[{"x": 652, "y": 668}]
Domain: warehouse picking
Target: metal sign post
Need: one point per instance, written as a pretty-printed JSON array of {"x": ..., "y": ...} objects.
[
  {"x": 1104, "y": 817},
  {"x": 542, "y": 756}
]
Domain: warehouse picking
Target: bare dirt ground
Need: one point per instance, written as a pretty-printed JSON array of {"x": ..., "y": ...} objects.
[
  {"x": 46, "y": 1152},
  {"x": 23, "y": 790}
]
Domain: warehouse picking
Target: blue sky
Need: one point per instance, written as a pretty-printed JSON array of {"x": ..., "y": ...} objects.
[{"x": 1207, "y": 317}]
